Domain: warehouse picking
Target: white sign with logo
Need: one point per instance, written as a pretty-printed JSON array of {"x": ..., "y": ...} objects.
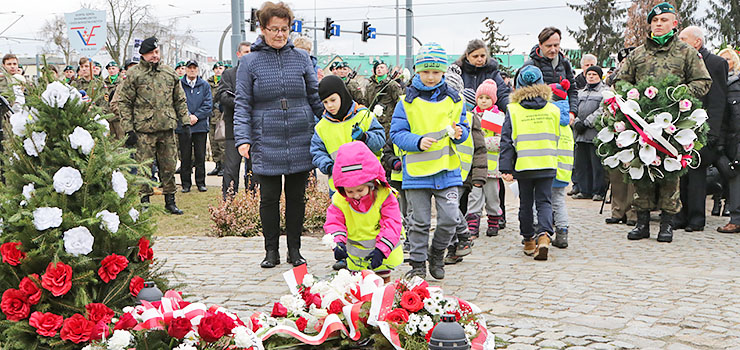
[{"x": 87, "y": 31}]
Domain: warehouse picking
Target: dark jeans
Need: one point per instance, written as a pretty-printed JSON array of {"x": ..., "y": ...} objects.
[
  {"x": 195, "y": 143},
  {"x": 539, "y": 192},
  {"x": 271, "y": 187},
  {"x": 588, "y": 170},
  {"x": 231, "y": 163}
]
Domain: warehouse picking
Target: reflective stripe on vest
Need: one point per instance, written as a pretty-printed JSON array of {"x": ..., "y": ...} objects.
[
  {"x": 492, "y": 156},
  {"x": 535, "y": 133},
  {"x": 565, "y": 154},
  {"x": 397, "y": 175},
  {"x": 335, "y": 134},
  {"x": 432, "y": 119},
  {"x": 465, "y": 150}
]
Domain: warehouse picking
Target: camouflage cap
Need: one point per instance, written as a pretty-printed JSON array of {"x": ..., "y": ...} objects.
[{"x": 661, "y": 8}]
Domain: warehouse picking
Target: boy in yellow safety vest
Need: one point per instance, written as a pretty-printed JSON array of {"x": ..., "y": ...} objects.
[
  {"x": 428, "y": 124},
  {"x": 364, "y": 219},
  {"x": 529, "y": 153}
]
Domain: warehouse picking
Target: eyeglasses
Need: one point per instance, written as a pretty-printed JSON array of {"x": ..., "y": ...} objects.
[{"x": 275, "y": 30}]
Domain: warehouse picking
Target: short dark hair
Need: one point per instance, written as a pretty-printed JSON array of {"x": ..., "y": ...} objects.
[
  {"x": 82, "y": 61},
  {"x": 9, "y": 56},
  {"x": 242, "y": 44},
  {"x": 270, "y": 9},
  {"x": 546, "y": 33},
  {"x": 52, "y": 68}
]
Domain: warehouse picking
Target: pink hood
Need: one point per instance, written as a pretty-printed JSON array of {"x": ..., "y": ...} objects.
[{"x": 356, "y": 165}]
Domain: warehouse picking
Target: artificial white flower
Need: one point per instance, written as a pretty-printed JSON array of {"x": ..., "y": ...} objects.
[
  {"x": 120, "y": 186},
  {"x": 317, "y": 312},
  {"x": 242, "y": 337},
  {"x": 662, "y": 120},
  {"x": 293, "y": 303},
  {"x": 611, "y": 161},
  {"x": 607, "y": 94},
  {"x": 35, "y": 144},
  {"x": 651, "y": 92},
  {"x": 82, "y": 140},
  {"x": 410, "y": 328},
  {"x": 47, "y": 217},
  {"x": 119, "y": 340},
  {"x": 626, "y": 138},
  {"x": 106, "y": 125},
  {"x": 55, "y": 95},
  {"x": 378, "y": 110},
  {"x": 308, "y": 280},
  {"x": 632, "y": 104},
  {"x": 685, "y": 136},
  {"x": 605, "y": 135},
  {"x": 699, "y": 116},
  {"x": 671, "y": 164},
  {"x": 648, "y": 154},
  {"x": 450, "y": 131},
  {"x": 625, "y": 156},
  {"x": 74, "y": 94},
  {"x": 78, "y": 241},
  {"x": 451, "y": 305},
  {"x": 637, "y": 173},
  {"x": 67, "y": 180},
  {"x": 19, "y": 120},
  {"x": 684, "y": 105},
  {"x": 134, "y": 214},
  {"x": 28, "y": 190},
  {"x": 185, "y": 346},
  {"x": 620, "y": 126},
  {"x": 426, "y": 324},
  {"x": 414, "y": 319},
  {"x": 110, "y": 221},
  {"x": 328, "y": 240},
  {"x": 633, "y": 94}
]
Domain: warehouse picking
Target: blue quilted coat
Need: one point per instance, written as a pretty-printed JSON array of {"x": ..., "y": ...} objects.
[{"x": 276, "y": 107}]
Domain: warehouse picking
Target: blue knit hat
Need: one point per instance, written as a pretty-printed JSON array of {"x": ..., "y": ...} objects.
[
  {"x": 529, "y": 75},
  {"x": 431, "y": 56}
]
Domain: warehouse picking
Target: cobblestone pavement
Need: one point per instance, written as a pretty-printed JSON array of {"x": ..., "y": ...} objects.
[{"x": 602, "y": 292}]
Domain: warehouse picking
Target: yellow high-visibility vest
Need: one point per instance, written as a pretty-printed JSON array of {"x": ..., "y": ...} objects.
[
  {"x": 565, "y": 154},
  {"x": 492, "y": 155},
  {"x": 535, "y": 136},
  {"x": 465, "y": 151},
  {"x": 397, "y": 175}
]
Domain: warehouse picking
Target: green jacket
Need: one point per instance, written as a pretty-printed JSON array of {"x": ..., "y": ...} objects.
[
  {"x": 151, "y": 99},
  {"x": 675, "y": 57}
]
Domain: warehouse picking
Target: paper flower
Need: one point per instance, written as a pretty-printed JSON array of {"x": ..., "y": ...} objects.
[
  {"x": 648, "y": 154},
  {"x": 605, "y": 135},
  {"x": 35, "y": 144},
  {"x": 670, "y": 129},
  {"x": 633, "y": 94},
  {"x": 110, "y": 221},
  {"x": 120, "y": 340},
  {"x": 378, "y": 110},
  {"x": 685, "y": 136},
  {"x": 19, "y": 120},
  {"x": 671, "y": 164},
  {"x": 82, "y": 140},
  {"x": 74, "y": 94},
  {"x": 632, "y": 104},
  {"x": 134, "y": 214},
  {"x": 328, "y": 240},
  {"x": 67, "y": 180},
  {"x": 699, "y": 116},
  {"x": 684, "y": 105},
  {"x": 637, "y": 173},
  {"x": 620, "y": 126},
  {"x": 56, "y": 94},
  {"x": 626, "y": 138},
  {"x": 625, "y": 156},
  {"x": 28, "y": 190},
  {"x": 688, "y": 147},
  {"x": 78, "y": 241},
  {"x": 611, "y": 161},
  {"x": 120, "y": 186},
  {"x": 651, "y": 92},
  {"x": 104, "y": 123},
  {"x": 662, "y": 120},
  {"x": 47, "y": 217},
  {"x": 607, "y": 94}
]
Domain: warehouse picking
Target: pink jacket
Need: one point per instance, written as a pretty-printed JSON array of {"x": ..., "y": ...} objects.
[{"x": 355, "y": 165}]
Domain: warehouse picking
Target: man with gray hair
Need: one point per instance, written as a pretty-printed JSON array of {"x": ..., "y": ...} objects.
[
  {"x": 588, "y": 60},
  {"x": 693, "y": 185}
]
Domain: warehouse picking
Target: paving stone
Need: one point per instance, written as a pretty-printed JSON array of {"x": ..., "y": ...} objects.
[
  {"x": 601, "y": 346},
  {"x": 552, "y": 344},
  {"x": 551, "y": 335},
  {"x": 679, "y": 346},
  {"x": 522, "y": 347},
  {"x": 622, "y": 345},
  {"x": 597, "y": 339},
  {"x": 576, "y": 341},
  {"x": 525, "y": 332},
  {"x": 642, "y": 329},
  {"x": 523, "y": 340}
]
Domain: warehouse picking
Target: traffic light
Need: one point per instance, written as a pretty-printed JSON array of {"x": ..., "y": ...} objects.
[
  {"x": 367, "y": 31},
  {"x": 253, "y": 20},
  {"x": 328, "y": 28}
]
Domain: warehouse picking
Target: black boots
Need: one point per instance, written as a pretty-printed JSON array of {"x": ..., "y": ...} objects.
[
  {"x": 436, "y": 263},
  {"x": 717, "y": 207},
  {"x": 418, "y": 269},
  {"x": 642, "y": 229},
  {"x": 272, "y": 259},
  {"x": 666, "y": 228},
  {"x": 218, "y": 169},
  {"x": 295, "y": 258},
  {"x": 169, "y": 204},
  {"x": 561, "y": 238}
]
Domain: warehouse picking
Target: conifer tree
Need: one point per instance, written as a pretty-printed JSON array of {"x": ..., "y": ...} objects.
[
  {"x": 498, "y": 44},
  {"x": 602, "y": 36},
  {"x": 724, "y": 21}
]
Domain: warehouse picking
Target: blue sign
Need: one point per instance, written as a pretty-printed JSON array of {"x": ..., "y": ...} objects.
[
  {"x": 372, "y": 33},
  {"x": 297, "y": 26},
  {"x": 335, "y": 29}
]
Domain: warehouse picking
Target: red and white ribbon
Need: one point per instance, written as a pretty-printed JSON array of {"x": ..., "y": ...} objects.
[{"x": 332, "y": 323}]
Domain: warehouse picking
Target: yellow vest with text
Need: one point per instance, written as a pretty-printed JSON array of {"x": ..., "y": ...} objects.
[
  {"x": 431, "y": 119},
  {"x": 492, "y": 156},
  {"x": 535, "y": 136},
  {"x": 363, "y": 230},
  {"x": 565, "y": 154}
]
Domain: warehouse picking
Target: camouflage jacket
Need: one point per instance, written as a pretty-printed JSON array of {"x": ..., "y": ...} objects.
[
  {"x": 111, "y": 85},
  {"x": 6, "y": 85},
  {"x": 214, "y": 89},
  {"x": 356, "y": 92},
  {"x": 95, "y": 89},
  {"x": 388, "y": 93},
  {"x": 675, "y": 57},
  {"x": 151, "y": 99}
]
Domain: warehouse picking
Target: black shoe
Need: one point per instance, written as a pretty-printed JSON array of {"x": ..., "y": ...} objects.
[
  {"x": 726, "y": 210},
  {"x": 418, "y": 269},
  {"x": 340, "y": 264},
  {"x": 615, "y": 220},
  {"x": 642, "y": 229},
  {"x": 573, "y": 191},
  {"x": 452, "y": 258},
  {"x": 272, "y": 259},
  {"x": 215, "y": 170},
  {"x": 185, "y": 189},
  {"x": 691, "y": 228},
  {"x": 295, "y": 258},
  {"x": 717, "y": 207},
  {"x": 436, "y": 263},
  {"x": 666, "y": 228},
  {"x": 169, "y": 204},
  {"x": 630, "y": 222},
  {"x": 202, "y": 188},
  {"x": 177, "y": 171},
  {"x": 145, "y": 200}
]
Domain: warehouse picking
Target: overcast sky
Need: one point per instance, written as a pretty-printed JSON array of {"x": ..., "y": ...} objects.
[{"x": 451, "y": 23}]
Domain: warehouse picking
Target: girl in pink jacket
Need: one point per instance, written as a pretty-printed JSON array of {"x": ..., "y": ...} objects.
[{"x": 364, "y": 218}]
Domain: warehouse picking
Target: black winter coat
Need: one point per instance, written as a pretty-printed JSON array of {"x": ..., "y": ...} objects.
[
  {"x": 225, "y": 95},
  {"x": 553, "y": 76},
  {"x": 714, "y": 101},
  {"x": 732, "y": 120},
  {"x": 474, "y": 76}
]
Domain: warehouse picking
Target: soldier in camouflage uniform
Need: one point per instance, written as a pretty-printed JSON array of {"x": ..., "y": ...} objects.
[
  {"x": 151, "y": 101},
  {"x": 217, "y": 147},
  {"x": 343, "y": 71},
  {"x": 111, "y": 83},
  {"x": 662, "y": 55},
  {"x": 384, "y": 92},
  {"x": 93, "y": 88}
]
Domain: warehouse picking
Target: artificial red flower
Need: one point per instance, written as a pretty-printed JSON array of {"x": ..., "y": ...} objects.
[
  {"x": 411, "y": 301},
  {"x": 11, "y": 254},
  {"x": 136, "y": 285},
  {"x": 397, "y": 316},
  {"x": 99, "y": 331},
  {"x": 422, "y": 291},
  {"x": 126, "y": 322},
  {"x": 466, "y": 309},
  {"x": 76, "y": 329},
  {"x": 179, "y": 327},
  {"x": 111, "y": 266},
  {"x": 254, "y": 319},
  {"x": 214, "y": 326},
  {"x": 145, "y": 252},
  {"x": 278, "y": 310},
  {"x": 97, "y": 312},
  {"x": 15, "y": 305},
  {"x": 57, "y": 279},
  {"x": 46, "y": 324},
  {"x": 301, "y": 323},
  {"x": 336, "y": 307},
  {"x": 30, "y": 287},
  {"x": 428, "y": 337}
]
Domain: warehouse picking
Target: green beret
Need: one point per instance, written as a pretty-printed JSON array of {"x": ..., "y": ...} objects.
[
  {"x": 333, "y": 65},
  {"x": 97, "y": 64},
  {"x": 661, "y": 8},
  {"x": 111, "y": 64},
  {"x": 218, "y": 64},
  {"x": 68, "y": 68},
  {"x": 342, "y": 64},
  {"x": 228, "y": 65},
  {"x": 180, "y": 64}
]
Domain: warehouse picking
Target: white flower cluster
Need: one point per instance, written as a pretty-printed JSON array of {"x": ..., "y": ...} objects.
[
  {"x": 294, "y": 303},
  {"x": 67, "y": 180},
  {"x": 78, "y": 241},
  {"x": 110, "y": 221},
  {"x": 470, "y": 330},
  {"x": 120, "y": 186},
  {"x": 56, "y": 94},
  {"x": 437, "y": 304},
  {"x": 419, "y": 323},
  {"x": 82, "y": 140},
  {"x": 120, "y": 340},
  {"x": 47, "y": 217},
  {"x": 35, "y": 144}
]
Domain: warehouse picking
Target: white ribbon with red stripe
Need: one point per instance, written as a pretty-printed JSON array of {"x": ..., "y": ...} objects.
[{"x": 332, "y": 323}]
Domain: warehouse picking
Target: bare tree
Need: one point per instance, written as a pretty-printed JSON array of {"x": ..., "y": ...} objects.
[
  {"x": 55, "y": 31},
  {"x": 124, "y": 17}
]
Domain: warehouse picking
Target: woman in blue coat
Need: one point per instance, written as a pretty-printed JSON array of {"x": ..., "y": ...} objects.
[{"x": 275, "y": 112}]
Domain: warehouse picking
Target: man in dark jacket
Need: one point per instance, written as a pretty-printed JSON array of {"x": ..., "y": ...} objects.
[
  {"x": 694, "y": 184},
  {"x": 200, "y": 106},
  {"x": 554, "y": 65},
  {"x": 232, "y": 159}
]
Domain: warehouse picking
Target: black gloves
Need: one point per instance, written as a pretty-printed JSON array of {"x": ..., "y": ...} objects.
[
  {"x": 340, "y": 251},
  {"x": 131, "y": 139},
  {"x": 376, "y": 258},
  {"x": 579, "y": 126}
]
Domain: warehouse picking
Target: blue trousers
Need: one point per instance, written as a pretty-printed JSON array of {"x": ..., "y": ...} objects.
[{"x": 536, "y": 191}]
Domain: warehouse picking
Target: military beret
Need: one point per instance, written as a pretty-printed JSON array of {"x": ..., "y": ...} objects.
[
  {"x": 661, "y": 8},
  {"x": 333, "y": 65},
  {"x": 218, "y": 64},
  {"x": 111, "y": 64},
  {"x": 68, "y": 68},
  {"x": 148, "y": 45},
  {"x": 191, "y": 63},
  {"x": 342, "y": 64},
  {"x": 228, "y": 65},
  {"x": 97, "y": 64},
  {"x": 180, "y": 64}
]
